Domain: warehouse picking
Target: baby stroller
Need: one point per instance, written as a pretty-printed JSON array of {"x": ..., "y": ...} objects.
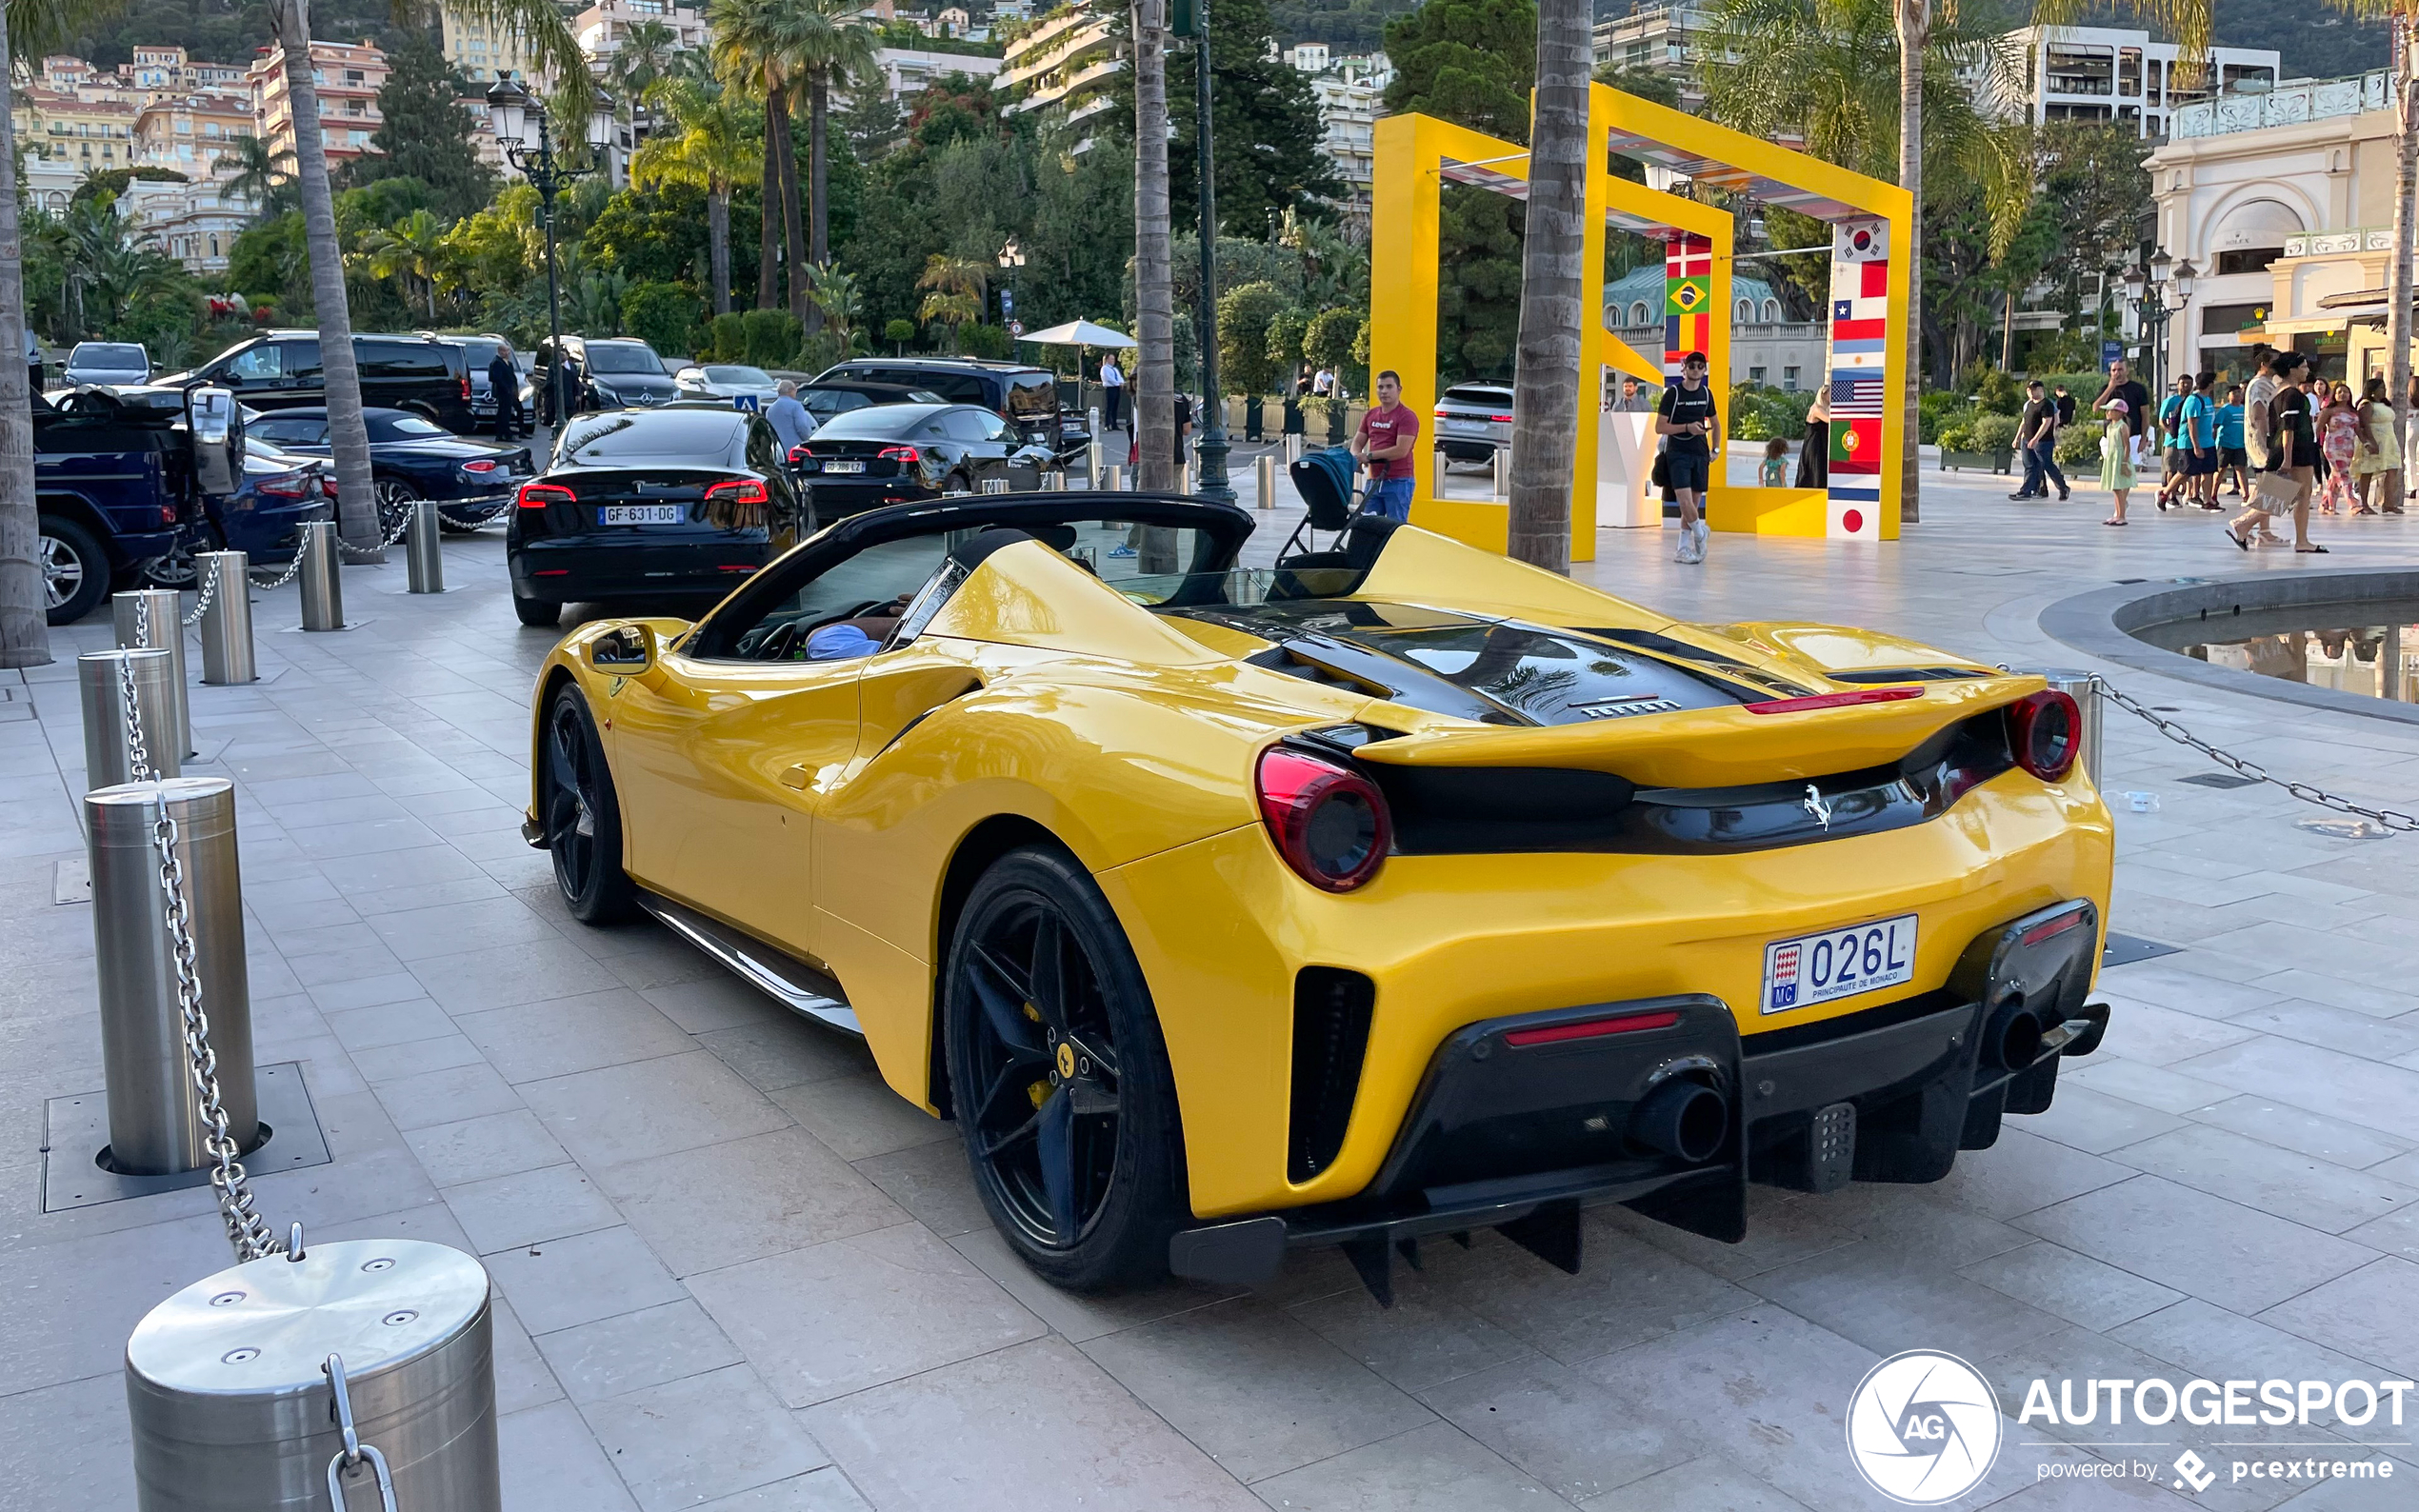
[{"x": 1325, "y": 480}]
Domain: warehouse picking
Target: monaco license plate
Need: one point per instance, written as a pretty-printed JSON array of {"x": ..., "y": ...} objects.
[
  {"x": 1814, "y": 968},
  {"x": 644, "y": 513},
  {"x": 844, "y": 466}
]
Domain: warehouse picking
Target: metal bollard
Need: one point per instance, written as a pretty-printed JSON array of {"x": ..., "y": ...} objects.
[
  {"x": 1265, "y": 472},
  {"x": 994, "y": 485},
  {"x": 1092, "y": 453},
  {"x": 166, "y": 626},
  {"x": 423, "y": 552},
  {"x": 2084, "y": 687},
  {"x": 1436, "y": 471},
  {"x": 1184, "y": 477},
  {"x": 106, "y": 762},
  {"x": 227, "y": 625},
  {"x": 323, "y": 594},
  {"x": 1503, "y": 475},
  {"x": 155, "y": 1113},
  {"x": 232, "y": 1385},
  {"x": 1054, "y": 482},
  {"x": 1292, "y": 442},
  {"x": 1113, "y": 478}
]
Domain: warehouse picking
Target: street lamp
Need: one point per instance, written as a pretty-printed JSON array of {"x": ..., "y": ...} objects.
[
  {"x": 1012, "y": 258},
  {"x": 511, "y": 111}
]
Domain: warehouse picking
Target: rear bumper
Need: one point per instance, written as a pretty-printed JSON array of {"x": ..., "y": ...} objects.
[
  {"x": 578, "y": 572},
  {"x": 835, "y": 500},
  {"x": 1517, "y": 1130}
]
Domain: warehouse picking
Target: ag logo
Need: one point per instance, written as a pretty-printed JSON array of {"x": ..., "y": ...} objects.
[{"x": 1922, "y": 1427}]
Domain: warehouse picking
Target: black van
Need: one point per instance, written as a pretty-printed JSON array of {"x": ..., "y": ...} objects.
[
  {"x": 281, "y": 371},
  {"x": 1024, "y": 397}
]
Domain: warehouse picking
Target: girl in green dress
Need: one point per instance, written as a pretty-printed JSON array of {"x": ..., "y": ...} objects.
[{"x": 2116, "y": 457}]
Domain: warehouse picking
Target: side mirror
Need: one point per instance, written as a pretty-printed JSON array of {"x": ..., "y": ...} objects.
[
  {"x": 217, "y": 431},
  {"x": 624, "y": 652}
]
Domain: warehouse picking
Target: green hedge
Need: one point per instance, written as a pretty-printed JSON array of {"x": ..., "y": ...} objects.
[
  {"x": 730, "y": 336},
  {"x": 772, "y": 337}
]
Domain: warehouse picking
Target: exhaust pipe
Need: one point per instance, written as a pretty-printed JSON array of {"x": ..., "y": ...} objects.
[
  {"x": 2013, "y": 1035},
  {"x": 1686, "y": 1119}
]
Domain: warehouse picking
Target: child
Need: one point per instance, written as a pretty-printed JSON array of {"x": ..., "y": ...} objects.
[
  {"x": 2229, "y": 442},
  {"x": 2339, "y": 443},
  {"x": 1774, "y": 473},
  {"x": 2116, "y": 457}
]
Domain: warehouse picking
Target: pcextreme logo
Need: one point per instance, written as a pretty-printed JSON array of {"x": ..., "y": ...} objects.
[{"x": 1922, "y": 1427}]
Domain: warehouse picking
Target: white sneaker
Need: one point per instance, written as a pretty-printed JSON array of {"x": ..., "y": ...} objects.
[
  {"x": 1686, "y": 551},
  {"x": 1705, "y": 537}
]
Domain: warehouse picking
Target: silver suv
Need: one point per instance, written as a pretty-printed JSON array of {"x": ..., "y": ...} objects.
[{"x": 1472, "y": 419}]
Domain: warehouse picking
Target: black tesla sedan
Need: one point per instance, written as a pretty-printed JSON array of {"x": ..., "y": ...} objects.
[
  {"x": 899, "y": 453},
  {"x": 412, "y": 457},
  {"x": 646, "y": 504}
]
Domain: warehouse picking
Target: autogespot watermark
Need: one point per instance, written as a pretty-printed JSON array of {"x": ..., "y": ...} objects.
[{"x": 1923, "y": 1428}]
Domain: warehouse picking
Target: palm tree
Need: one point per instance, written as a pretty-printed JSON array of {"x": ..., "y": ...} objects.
[
  {"x": 541, "y": 24},
  {"x": 260, "y": 177},
  {"x": 644, "y": 56},
  {"x": 1546, "y": 374},
  {"x": 1154, "y": 282},
  {"x": 2402, "y": 33},
  {"x": 754, "y": 41},
  {"x": 838, "y": 301},
  {"x": 959, "y": 287},
  {"x": 831, "y": 47},
  {"x": 713, "y": 147},
  {"x": 413, "y": 249}
]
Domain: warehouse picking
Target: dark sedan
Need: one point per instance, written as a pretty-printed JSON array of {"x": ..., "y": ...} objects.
[
  {"x": 410, "y": 457},
  {"x": 828, "y": 401},
  {"x": 650, "y": 504},
  {"x": 899, "y": 453}
]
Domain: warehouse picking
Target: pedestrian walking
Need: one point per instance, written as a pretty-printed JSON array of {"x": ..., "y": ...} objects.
[
  {"x": 1693, "y": 438},
  {"x": 2229, "y": 442},
  {"x": 2339, "y": 437},
  {"x": 2199, "y": 442},
  {"x": 504, "y": 381},
  {"x": 2380, "y": 464},
  {"x": 1382, "y": 445},
  {"x": 1773, "y": 471},
  {"x": 2259, "y": 434},
  {"x": 2066, "y": 405},
  {"x": 1814, "y": 457},
  {"x": 2116, "y": 454},
  {"x": 2174, "y": 462},
  {"x": 2037, "y": 440},
  {"x": 2277, "y": 425},
  {"x": 2123, "y": 385},
  {"x": 789, "y": 419}
]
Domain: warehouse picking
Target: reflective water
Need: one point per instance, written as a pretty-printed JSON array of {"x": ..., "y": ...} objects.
[{"x": 2370, "y": 648}]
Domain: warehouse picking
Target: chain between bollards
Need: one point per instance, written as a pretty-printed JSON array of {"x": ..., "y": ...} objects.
[{"x": 2391, "y": 817}]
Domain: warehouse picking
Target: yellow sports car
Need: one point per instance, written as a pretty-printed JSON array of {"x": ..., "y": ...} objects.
[{"x": 1397, "y": 890}]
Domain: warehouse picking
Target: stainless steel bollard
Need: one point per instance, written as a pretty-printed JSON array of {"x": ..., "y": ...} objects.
[
  {"x": 227, "y": 625},
  {"x": 166, "y": 626},
  {"x": 234, "y": 1410},
  {"x": 1265, "y": 472},
  {"x": 1435, "y": 467},
  {"x": 995, "y": 486},
  {"x": 1054, "y": 482},
  {"x": 1294, "y": 441},
  {"x": 1091, "y": 416},
  {"x": 1113, "y": 478},
  {"x": 423, "y": 550},
  {"x": 323, "y": 592},
  {"x": 155, "y": 1113},
  {"x": 1503, "y": 475},
  {"x": 106, "y": 762},
  {"x": 1092, "y": 453},
  {"x": 2084, "y": 687}
]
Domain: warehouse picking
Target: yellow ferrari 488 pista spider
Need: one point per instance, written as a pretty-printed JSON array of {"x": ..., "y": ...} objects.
[{"x": 1392, "y": 891}]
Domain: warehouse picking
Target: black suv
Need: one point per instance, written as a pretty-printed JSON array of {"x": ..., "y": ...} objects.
[
  {"x": 600, "y": 375},
  {"x": 281, "y": 371},
  {"x": 1025, "y": 397}
]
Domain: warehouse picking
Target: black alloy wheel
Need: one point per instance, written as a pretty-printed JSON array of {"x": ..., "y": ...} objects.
[
  {"x": 1059, "y": 1077},
  {"x": 395, "y": 498},
  {"x": 582, "y": 816}
]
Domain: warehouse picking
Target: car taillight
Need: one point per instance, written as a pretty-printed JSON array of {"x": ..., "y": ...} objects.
[
  {"x": 538, "y": 496},
  {"x": 1329, "y": 821},
  {"x": 745, "y": 491},
  {"x": 482, "y": 465},
  {"x": 800, "y": 453},
  {"x": 1501, "y": 420},
  {"x": 904, "y": 456},
  {"x": 465, "y": 387},
  {"x": 2045, "y": 730},
  {"x": 286, "y": 485}
]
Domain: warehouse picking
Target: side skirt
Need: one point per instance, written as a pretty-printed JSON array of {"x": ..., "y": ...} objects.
[{"x": 784, "y": 978}]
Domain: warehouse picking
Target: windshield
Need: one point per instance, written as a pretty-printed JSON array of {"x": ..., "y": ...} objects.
[
  {"x": 106, "y": 354},
  {"x": 480, "y": 354},
  {"x": 622, "y": 357},
  {"x": 742, "y": 375}
]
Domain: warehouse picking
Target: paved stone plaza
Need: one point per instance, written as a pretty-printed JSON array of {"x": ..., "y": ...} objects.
[{"x": 736, "y": 1272}]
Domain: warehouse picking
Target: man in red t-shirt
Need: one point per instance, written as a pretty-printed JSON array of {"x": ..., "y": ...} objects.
[{"x": 1384, "y": 445}]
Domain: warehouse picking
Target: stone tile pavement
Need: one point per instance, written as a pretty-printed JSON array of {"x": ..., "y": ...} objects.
[{"x": 736, "y": 1274}]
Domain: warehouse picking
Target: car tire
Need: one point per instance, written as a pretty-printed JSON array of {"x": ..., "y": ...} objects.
[
  {"x": 546, "y": 612},
  {"x": 1083, "y": 1173},
  {"x": 957, "y": 483},
  {"x": 75, "y": 571},
  {"x": 395, "y": 498},
  {"x": 582, "y": 816}
]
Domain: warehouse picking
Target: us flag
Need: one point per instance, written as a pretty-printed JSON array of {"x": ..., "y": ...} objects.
[{"x": 1856, "y": 395}]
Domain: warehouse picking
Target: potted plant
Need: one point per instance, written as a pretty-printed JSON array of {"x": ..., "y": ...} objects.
[{"x": 1978, "y": 440}]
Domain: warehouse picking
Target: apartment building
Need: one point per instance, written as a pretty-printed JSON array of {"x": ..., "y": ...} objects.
[
  {"x": 1349, "y": 110},
  {"x": 480, "y": 49},
  {"x": 346, "y": 75},
  {"x": 189, "y": 132},
  {"x": 602, "y": 26},
  {"x": 907, "y": 71},
  {"x": 1663, "y": 39},
  {"x": 1062, "y": 67},
  {"x": 94, "y": 134},
  {"x": 2113, "y": 74},
  {"x": 167, "y": 70}
]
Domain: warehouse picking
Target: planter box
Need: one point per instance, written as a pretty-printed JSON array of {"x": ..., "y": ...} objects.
[{"x": 1978, "y": 460}]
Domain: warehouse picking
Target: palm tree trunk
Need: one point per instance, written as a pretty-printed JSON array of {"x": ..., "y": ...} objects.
[
  {"x": 718, "y": 246},
  {"x": 25, "y": 630},
  {"x": 1546, "y": 372},
  {"x": 2398, "y": 277},
  {"x": 1914, "y": 32},
  {"x": 348, "y": 434},
  {"x": 1155, "y": 295},
  {"x": 768, "y": 244},
  {"x": 793, "y": 232},
  {"x": 819, "y": 228}
]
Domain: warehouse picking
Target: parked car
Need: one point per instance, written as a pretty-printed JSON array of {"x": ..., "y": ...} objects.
[
  {"x": 280, "y": 490},
  {"x": 644, "y": 504},
  {"x": 894, "y": 453},
  {"x": 745, "y": 387},
  {"x": 107, "y": 362},
  {"x": 615, "y": 374},
  {"x": 1473, "y": 420},
  {"x": 410, "y": 459},
  {"x": 824, "y": 400},
  {"x": 1024, "y": 397},
  {"x": 281, "y": 371}
]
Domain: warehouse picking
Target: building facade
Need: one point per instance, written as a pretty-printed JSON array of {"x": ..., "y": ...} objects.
[
  {"x": 191, "y": 132},
  {"x": 1663, "y": 39},
  {"x": 195, "y": 223},
  {"x": 480, "y": 49},
  {"x": 1347, "y": 125},
  {"x": 2284, "y": 206},
  {"x": 2123, "y": 77},
  {"x": 1767, "y": 346},
  {"x": 95, "y": 135},
  {"x": 907, "y": 71},
  {"x": 346, "y": 76},
  {"x": 602, "y": 26},
  {"x": 1063, "y": 67}
]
